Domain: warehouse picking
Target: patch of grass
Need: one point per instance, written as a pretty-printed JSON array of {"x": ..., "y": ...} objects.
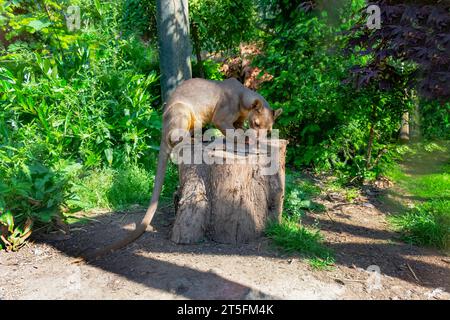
[
  {"x": 349, "y": 193},
  {"x": 395, "y": 174},
  {"x": 289, "y": 235},
  {"x": 81, "y": 220},
  {"x": 112, "y": 188},
  {"x": 420, "y": 149},
  {"x": 427, "y": 224},
  {"x": 425, "y": 181},
  {"x": 131, "y": 185},
  {"x": 426, "y": 186},
  {"x": 292, "y": 237},
  {"x": 170, "y": 183},
  {"x": 435, "y": 185},
  {"x": 321, "y": 264},
  {"x": 91, "y": 191}
]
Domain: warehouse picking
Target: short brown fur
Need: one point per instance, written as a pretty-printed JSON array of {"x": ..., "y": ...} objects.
[{"x": 225, "y": 104}]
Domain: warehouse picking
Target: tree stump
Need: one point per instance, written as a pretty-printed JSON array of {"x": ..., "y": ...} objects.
[{"x": 230, "y": 202}]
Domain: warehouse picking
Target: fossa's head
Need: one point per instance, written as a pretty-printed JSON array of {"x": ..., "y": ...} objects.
[{"x": 261, "y": 117}]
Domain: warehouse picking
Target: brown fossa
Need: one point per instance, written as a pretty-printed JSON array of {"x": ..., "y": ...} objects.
[{"x": 198, "y": 102}]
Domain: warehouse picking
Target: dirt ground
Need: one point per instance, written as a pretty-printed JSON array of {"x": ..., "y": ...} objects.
[{"x": 155, "y": 268}]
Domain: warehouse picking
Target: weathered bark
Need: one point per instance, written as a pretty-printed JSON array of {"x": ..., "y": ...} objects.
[
  {"x": 174, "y": 44},
  {"x": 414, "y": 120},
  {"x": 229, "y": 202},
  {"x": 404, "y": 130},
  {"x": 415, "y": 129}
]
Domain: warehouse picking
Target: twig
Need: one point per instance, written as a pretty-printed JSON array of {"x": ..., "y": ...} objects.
[
  {"x": 78, "y": 261},
  {"x": 412, "y": 271},
  {"x": 349, "y": 280},
  {"x": 382, "y": 152},
  {"x": 124, "y": 215},
  {"x": 329, "y": 216}
]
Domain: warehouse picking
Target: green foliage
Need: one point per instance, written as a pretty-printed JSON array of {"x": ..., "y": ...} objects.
[
  {"x": 25, "y": 21},
  {"x": 118, "y": 188},
  {"x": 327, "y": 121},
  {"x": 211, "y": 70},
  {"x": 138, "y": 18},
  {"x": 170, "y": 183},
  {"x": 130, "y": 186},
  {"x": 435, "y": 120},
  {"x": 111, "y": 188},
  {"x": 214, "y": 25},
  {"x": 71, "y": 101},
  {"x": 29, "y": 190},
  {"x": 91, "y": 190},
  {"x": 426, "y": 183},
  {"x": 299, "y": 196},
  {"x": 291, "y": 237},
  {"x": 12, "y": 237},
  {"x": 221, "y": 25},
  {"x": 342, "y": 187},
  {"x": 427, "y": 224}
]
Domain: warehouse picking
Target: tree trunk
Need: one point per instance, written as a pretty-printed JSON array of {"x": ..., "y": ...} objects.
[
  {"x": 404, "y": 130},
  {"x": 370, "y": 146},
  {"x": 371, "y": 138},
  {"x": 414, "y": 124},
  {"x": 174, "y": 45},
  {"x": 229, "y": 202}
]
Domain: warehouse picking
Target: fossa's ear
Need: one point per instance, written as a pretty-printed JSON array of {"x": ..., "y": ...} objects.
[
  {"x": 277, "y": 113},
  {"x": 257, "y": 105}
]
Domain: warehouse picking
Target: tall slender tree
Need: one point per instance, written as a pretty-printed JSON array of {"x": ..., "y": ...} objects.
[{"x": 174, "y": 44}]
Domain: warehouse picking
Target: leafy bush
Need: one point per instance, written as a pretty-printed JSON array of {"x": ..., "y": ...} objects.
[
  {"x": 435, "y": 120},
  {"x": 221, "y": 25},
  {"x": 138, "y": 18},
  {"x": 72, "y": 102},
  {"x": 12, "y": 237},
  {"x": 330, "y": 125},
  {"x": 112, "y": 188},
  {"x": 211, "y": 70},
  {"x": 299, "y": 196}
]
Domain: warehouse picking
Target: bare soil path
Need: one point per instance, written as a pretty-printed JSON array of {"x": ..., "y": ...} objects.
[{"x": 155, "y": 268}]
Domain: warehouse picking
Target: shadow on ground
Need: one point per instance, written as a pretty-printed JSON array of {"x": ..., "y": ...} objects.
[
  {"x": 133, "y": 262},
  {"x": 137, "y": 262}
]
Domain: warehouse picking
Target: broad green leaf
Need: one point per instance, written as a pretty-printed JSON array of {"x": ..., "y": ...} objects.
[
  {"x": 7, "y": 219},
  {"x": 38, "y": 25}
]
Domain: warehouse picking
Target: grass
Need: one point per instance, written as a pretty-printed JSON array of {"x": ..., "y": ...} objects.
[
  {"x": 425, "y": 180},
  {"x": 349, "y": 193},
  {"x": 290, "y": 235},
  {"x": 112, "y": 189},
  {"x": 118, "y": 189},
  {"x": 91, "y": 191},
  {"x": 427, "y": 224}
]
